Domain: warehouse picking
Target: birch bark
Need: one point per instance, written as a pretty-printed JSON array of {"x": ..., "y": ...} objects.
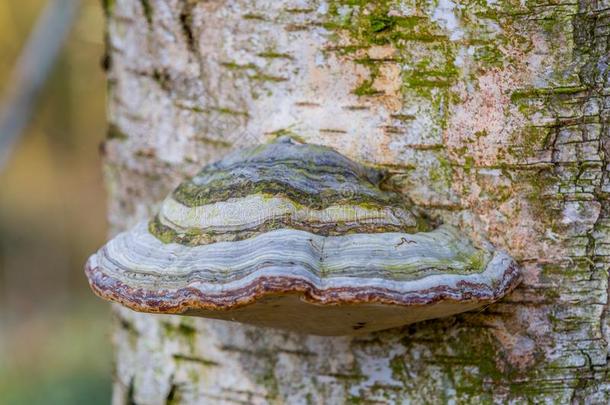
[{"x": 491, "y": 115}]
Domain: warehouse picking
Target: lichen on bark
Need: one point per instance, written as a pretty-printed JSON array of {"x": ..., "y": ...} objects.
[{"x": 490, "y": 115}]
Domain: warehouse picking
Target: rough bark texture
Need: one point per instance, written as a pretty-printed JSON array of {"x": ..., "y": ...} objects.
[{"x": 491, "y": 115}]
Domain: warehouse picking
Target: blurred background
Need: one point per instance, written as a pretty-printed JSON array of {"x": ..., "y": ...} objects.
[{"x": 54, "y": 334}]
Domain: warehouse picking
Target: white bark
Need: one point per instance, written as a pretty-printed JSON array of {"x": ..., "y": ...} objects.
[{"x": 492, "y": 116}]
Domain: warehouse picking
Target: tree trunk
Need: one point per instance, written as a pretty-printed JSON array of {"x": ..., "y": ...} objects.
[{"x": 490, "y": 115}]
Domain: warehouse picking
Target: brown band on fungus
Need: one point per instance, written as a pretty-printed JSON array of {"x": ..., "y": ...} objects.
[{"x": 192, "y": 299}]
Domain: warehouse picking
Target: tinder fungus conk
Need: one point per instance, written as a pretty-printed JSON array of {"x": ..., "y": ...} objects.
[{"x": 299, "y": 237}]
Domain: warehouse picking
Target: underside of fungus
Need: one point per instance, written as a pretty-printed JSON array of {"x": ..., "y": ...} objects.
[{"x": 299, "y": 237}]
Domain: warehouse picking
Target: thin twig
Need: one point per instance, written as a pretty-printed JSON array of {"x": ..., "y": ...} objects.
[{"x": 31, "y": 71}]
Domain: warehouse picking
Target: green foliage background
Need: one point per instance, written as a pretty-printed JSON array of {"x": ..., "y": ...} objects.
[{"x": 54, "y": 338}]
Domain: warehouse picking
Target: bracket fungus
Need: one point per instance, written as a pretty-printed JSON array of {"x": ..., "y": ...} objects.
[{"x": 299, "y": 237}]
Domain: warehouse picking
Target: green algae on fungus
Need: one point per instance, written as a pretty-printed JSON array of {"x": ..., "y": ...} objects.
[{"x": 297, "y": 236}]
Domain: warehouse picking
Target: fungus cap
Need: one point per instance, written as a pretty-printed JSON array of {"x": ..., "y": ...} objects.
[{"x": 299, "y": 237}]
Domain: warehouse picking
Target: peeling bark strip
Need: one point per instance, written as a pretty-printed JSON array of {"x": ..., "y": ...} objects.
[{"x": 493, "y": 114}]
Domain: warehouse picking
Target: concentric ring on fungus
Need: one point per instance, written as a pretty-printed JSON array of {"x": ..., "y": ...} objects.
[{"x": 299, "y": 237}]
